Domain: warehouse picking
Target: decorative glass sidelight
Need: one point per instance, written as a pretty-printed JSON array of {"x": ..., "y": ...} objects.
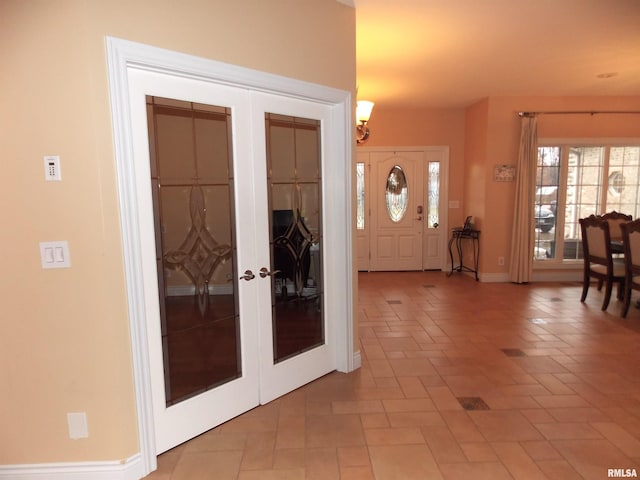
[
  {"x": 295, "y": 206},
  {"x": 360, "y": 193},
  {"x": 433, "y": 195},
  {"x": 396, "y": 194},
  {"x": 192, "y": 189}
]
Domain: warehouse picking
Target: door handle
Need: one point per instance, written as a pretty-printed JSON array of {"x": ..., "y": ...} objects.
[
  {"x": 264, "y": 272},
  {"x": 248, "y": 275},
  {"x": 419, "y": 217}
]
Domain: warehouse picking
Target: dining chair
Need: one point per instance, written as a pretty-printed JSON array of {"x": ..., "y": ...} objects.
[
  {"x": 615, "y": 219},
  {"x": 598, "y": 261},
  {"x": 631, "y": 245}
]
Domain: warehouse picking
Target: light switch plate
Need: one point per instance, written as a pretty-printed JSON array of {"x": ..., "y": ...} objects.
[{"x": 55, "y": 254}]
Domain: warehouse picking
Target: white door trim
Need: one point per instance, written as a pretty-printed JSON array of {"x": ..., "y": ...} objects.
[
  {"x": 123, "y": 56},
  {"x": 444, "y": 186}
]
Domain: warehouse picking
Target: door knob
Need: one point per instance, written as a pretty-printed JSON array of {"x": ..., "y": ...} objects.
[
  {"x": 264, "y": 272},
  {"x": 248, "y": 275}
]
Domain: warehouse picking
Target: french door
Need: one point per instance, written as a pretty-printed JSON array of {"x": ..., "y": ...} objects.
[{"x": 230, "y": 198}]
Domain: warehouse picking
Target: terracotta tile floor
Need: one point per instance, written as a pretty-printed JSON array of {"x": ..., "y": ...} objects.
[{"x": 551, "y": 388}]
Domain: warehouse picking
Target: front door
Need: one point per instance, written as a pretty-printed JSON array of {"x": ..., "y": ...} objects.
[
  {"x": 401, "y": 208},
  {"x": 230, "y": 202},
  {"x": 398, "y": 211}
]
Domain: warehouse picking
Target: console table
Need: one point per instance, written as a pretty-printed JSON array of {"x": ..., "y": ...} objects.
[{"x": 457, "y": 241}]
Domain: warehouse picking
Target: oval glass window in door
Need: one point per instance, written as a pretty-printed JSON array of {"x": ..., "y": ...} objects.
[{"x": 396, "y": 194}]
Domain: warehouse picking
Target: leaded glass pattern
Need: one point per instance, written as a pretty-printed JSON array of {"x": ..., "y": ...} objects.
[
  {"x": 433, "y": 186},
  {"x": 397, "y": 195},
  {"x": 360, "y": 195},
  {"x": 294, "y": 179},
  {"x": 191, "y": 165}
]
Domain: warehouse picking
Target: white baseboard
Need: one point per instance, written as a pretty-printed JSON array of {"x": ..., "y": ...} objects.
[
  {"x": 494, "y": 277},
  {"x": 357, "y": 360},
  {"x": 558, "y": 275},
  {"x": 129, "y": 469},
  {"x": 538, "y": 276}
]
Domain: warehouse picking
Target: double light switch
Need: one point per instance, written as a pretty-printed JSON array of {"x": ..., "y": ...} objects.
[{"x": 55, "y": 254}]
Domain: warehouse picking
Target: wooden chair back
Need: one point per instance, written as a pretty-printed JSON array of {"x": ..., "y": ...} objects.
[
  {"x": 615, "y": 219},
  {"x": 598, "y": 261},
  {"x": 596, "y": 240},
  {"x": 631, "y": 245}
]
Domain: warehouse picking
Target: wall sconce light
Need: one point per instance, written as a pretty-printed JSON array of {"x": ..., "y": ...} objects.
[{"x": 363, "y": 112}]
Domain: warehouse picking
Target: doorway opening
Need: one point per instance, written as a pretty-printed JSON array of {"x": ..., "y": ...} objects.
[
  {"x": 137, "y": 72},
  {"x": 401, "y": 208}
]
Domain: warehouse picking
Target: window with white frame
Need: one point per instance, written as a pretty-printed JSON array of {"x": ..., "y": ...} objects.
[{"x": 575, "y": 180}]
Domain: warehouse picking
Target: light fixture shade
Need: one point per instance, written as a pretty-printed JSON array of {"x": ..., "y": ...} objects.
[{"x": 363, "y": 111}]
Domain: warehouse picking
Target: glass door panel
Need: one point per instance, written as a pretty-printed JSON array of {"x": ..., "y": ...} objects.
[
  {"x": 363, "y": 208},
  {"x": 433, "y": 194},
  {"x": 295, "y": 200},
  {"x": 192, "y": 189},
  {"x": 433, "y": 248}
]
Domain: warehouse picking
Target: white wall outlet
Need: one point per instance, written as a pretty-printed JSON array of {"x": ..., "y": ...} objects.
[
  {"x": 501, "y": 261},
  {"x": 52, "y": 171},
  {"x": 77, "y": 423},
  {"x": 55, "y": 254}
]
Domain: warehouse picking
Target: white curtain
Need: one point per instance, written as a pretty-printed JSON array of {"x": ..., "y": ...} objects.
[{"x": 522, "y": 235}]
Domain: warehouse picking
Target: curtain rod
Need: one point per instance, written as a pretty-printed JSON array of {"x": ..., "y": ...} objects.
[{"x": 576, "y": 112}]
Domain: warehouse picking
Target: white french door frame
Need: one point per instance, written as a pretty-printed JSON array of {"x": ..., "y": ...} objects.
[
  {"x": 124, "y": 56},
  {"x": 440, "y": 153}
]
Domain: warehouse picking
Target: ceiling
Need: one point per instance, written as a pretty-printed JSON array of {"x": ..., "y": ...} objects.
[{"x": 452, "y": 53}]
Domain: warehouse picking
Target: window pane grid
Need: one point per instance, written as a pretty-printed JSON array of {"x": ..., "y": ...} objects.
[
  {"x": 546, "y": 202},
  {"x": 623, "y": 180},
  {"x": 595, "y": 179}
]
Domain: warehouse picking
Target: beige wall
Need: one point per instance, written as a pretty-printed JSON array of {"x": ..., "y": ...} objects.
[
  {"x": 64, "y": 339},
  {"x": 487, "y": 134},
  {"x": 475, "y": 160},
  {"x": 398, "y": 127},
  {"x": 502, "y": 130}
]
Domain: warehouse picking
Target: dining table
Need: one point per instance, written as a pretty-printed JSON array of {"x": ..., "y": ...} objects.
[{"x": 617, "y": 247}]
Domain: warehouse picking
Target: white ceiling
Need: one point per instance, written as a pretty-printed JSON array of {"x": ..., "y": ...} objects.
[{"x": 451, "y": 53}]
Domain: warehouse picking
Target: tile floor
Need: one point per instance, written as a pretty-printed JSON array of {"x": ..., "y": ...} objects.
[{"x": 459, "y": 380}]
